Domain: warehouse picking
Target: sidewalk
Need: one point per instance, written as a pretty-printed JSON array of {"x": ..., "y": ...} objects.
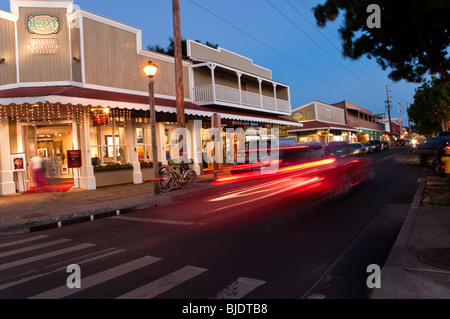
[
  {"x": 418, "y": 266},
  {"x": 23, "y": 213}
]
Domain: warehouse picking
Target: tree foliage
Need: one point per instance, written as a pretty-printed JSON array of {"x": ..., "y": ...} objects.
[
  {"x": 413, "y": 39},
  {"x": 170, "y": 49},
  {"x": 431, "y": 108}
]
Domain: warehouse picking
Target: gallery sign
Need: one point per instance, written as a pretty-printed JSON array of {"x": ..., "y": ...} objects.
[
  {"x": 43, "y": 24},
  {"x": 44, "y": 46}
]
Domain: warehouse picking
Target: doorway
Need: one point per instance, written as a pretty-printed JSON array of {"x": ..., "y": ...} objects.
[{"x": 51, "y": 142}]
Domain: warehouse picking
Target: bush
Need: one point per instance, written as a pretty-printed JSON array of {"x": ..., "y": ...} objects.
[{"x": 112, "y": 166}]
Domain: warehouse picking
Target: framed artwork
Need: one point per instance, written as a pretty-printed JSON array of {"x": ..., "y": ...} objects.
[
  {"x": 42, "y": 152},
  {"x": 64, "y": 169},
  {"x": 58, "y": 151},
  {"x": 18, "y": 162}
]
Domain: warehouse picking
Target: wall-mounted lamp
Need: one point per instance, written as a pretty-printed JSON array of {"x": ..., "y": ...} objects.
[
  {"x": 76, "y": 59},
  {"x": 2, "y": 60}
]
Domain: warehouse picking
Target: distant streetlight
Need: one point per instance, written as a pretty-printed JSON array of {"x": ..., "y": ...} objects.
[{"x": 150, "y": 70}]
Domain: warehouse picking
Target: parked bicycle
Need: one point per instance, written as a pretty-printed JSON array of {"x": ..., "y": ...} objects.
[{"x": 181, "y": 174}]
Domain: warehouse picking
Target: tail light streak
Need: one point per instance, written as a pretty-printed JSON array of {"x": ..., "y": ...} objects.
[{"x": 271, "y": 193}]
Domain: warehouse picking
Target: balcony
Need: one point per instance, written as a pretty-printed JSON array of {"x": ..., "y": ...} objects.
[{"x": 219, "y": 94}]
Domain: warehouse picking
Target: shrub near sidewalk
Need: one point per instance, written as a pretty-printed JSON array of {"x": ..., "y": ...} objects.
[{"x": 436, "y": 194}]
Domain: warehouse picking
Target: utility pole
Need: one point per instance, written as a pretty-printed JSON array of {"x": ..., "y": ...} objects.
[
  {"x": 409, "y": 121},
  {"x": 178, "y": 64},
  {"x": 388, "y": 104}
]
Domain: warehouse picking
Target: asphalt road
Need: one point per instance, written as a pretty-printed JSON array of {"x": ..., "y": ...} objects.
[{"x": 251, "y": 246}]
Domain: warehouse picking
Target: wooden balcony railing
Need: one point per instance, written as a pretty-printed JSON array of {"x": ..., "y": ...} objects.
[{"x": 205, "y": 94}]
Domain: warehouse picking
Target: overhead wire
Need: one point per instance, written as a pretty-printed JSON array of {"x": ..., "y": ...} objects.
[
  {"x": 278, "y": 52},
  {"x": 334, "y": 34}
]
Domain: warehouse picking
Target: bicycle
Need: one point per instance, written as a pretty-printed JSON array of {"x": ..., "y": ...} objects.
[{"x": 181, "y": 174}]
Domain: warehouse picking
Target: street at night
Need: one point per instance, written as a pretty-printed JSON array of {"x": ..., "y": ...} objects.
[{"x": 199, "y": 248}]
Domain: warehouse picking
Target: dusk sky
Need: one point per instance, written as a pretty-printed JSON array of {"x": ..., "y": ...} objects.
[{"x": 280, "y": 35}]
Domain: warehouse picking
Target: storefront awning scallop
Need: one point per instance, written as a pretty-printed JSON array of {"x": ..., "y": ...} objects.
[{"x": 72, "y": 95}]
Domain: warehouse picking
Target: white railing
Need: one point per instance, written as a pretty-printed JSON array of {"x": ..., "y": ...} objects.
[
  {"x": 205, "y": 93},
  {"x": 227, "y": 94}
]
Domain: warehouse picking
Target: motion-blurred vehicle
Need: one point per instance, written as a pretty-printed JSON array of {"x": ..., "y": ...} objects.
[
  {"x": 401, "y": 142},
  {"x": 289, "y": 151},
  {"x": 299, "y": 180},
  {"x": 385, "y": 146}
]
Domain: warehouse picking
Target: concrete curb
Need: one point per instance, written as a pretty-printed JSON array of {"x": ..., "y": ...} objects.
[
  {"x": 389, "y": 272},
  {"x": 109, "y": 209}
]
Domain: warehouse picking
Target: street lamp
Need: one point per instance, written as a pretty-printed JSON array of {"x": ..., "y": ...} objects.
[{"x": 150, "y": 70}]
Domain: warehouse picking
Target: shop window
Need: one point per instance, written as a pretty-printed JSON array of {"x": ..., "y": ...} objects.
[
  {"x": 144, "y": 145},
  {"x": 108, "y": 145}
]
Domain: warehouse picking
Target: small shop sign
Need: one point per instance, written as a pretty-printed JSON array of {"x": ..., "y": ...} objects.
[
  {"x": 74, "y": 158},
  {"x": 43, "y": 24}
]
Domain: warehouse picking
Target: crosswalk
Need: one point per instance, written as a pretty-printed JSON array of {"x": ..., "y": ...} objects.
[{"x": 36, "y": 268}]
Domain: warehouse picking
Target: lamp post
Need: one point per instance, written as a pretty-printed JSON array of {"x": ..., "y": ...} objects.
[{"x": 150, "y": 70}]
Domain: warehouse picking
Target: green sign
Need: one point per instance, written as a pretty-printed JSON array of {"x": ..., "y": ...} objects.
[{"x": 43, "y": 24}]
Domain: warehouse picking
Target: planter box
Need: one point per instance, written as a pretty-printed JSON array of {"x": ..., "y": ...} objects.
[
  {"x": 147, "y": 173},
  {"x": 113, "y": 177}
]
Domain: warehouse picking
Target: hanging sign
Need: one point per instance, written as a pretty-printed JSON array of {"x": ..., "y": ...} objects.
[
  {"x": 74, "y": 158},
  {"x": 100, "y": 119}
]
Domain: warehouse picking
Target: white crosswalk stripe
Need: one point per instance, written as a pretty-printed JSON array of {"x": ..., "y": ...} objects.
[
  {"x": 21, "y": 241},
  {"x": 44, "y": 256},
  {"x": 103, "y": 253},
  {"x": 34, "y": 247},
  {"x": 240, "y": 288},
  {"x": 236, "y": 290},
  {"x": 163, "y": 284},
  {"x": 90, "y": 281}
]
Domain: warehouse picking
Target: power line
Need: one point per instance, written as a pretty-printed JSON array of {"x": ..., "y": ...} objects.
[
  {"x": 332, "y": 33},
  {"x": 276, "y": 51},
  {"x": 339, "y": 62},
  {"x": 329, "y": 41}
]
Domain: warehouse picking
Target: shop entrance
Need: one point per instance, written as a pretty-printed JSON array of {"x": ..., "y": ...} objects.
[{"x": 51, "y": 142}]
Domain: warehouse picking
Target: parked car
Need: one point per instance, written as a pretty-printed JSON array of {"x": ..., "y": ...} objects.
[
  {"x": 337, "y": 149},
  {"x": 368, "y": 147},
  {"x": 443, "y": 133},
  {"x": 376, "y": 145},
  {"x": 357, "y": 149},
  {"x": 401, "y": 142},
  {"x": 428, "y": 149}
]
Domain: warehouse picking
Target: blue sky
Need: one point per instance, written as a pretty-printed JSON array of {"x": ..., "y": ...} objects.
[{"x": 280, "y": 35}]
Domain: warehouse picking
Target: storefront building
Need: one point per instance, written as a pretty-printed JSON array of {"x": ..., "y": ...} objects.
[
  {"x": 322, "y": 123},
  {"x": 364, "y": 121},
  {"x": 71, "y": 81}
]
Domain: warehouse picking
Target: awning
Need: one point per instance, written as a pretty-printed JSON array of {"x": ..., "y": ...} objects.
[
  {"x": 72, "y": 95},
  {"x": 319, "y": 125}
]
